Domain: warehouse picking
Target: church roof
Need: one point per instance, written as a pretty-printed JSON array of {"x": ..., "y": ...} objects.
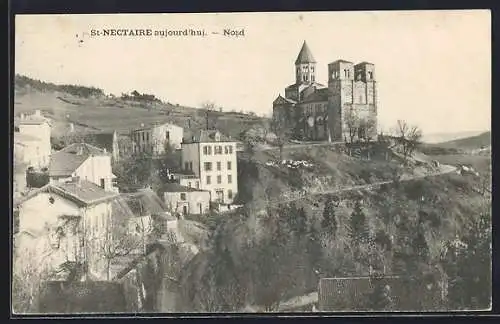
[{"x": 305, "y": 55}]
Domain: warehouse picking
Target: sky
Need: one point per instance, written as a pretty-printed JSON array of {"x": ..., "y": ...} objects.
[{"x": 433, "y": 68}]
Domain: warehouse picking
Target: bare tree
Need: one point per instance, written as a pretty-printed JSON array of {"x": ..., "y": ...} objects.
[
  {"x": 408, "y": 137},
  {"x": 352, "y": 121},
  {"x": 208, "y": 107},
  {"x": 117, "y": 242},
  {"x": 282, "y": 132}
]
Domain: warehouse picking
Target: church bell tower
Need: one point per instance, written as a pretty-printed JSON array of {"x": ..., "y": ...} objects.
[{"x": 305, "y": 66}]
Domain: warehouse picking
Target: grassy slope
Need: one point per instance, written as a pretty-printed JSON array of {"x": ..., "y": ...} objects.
[
  {"x": 467, "y": 143},
  {"x": 110, "y": 114}
]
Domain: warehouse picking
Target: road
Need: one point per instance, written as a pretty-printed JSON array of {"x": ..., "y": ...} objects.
[{"x": 444, "y": 169}]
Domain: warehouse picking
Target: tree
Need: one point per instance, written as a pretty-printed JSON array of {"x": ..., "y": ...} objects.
[
  {"x": 116, "y": 242},
  {"x": 358, "y": 227},
  {"x": 208, "y": 108},
  {"x": 283, "y": 133},
  {"x": 352, "y": 123},
  {"x": 329, "y": 221},
  {"x": 408, "y": 137}
]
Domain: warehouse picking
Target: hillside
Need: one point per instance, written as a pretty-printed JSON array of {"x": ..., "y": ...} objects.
[
  {"x": 90, "y": 109},
  {"x": 267, "y": 252},
  {"x": 469, "y": 143}
]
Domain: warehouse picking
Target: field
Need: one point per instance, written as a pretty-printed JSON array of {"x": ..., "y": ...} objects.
[{"x": 105, "y": 113}]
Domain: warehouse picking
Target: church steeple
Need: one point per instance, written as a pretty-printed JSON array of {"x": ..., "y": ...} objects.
[{"x": 305, "y": 66}]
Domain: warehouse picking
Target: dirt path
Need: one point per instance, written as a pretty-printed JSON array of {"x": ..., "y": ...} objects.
[{"x": 444, "y": 169}]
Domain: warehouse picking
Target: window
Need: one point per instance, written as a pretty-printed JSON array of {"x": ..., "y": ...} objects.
[
  {"x": 208, "y": 166},
  {"x": 102, "y": 183},
  {"x": 230, "y": 150},
  {"x": 197, "y": 184},
  {"x": 226, "y": 150},
  {"x": 209, "y": 148},
  {"x": 205, "y": 150},
  {"x": 167, "y": 135},
  {"x": 230, "y": 194},
  {"x": 209, "y": 180},
  {"x": 191, "y": 166},
  {"x": 229, "y": 165},
  {"x": 147, "y": 137},
  {"x": 304, "y": 78},
  {"x": 370, "y": 75},
  {"x": 229, "y": 179},
  {"x": 189, "y": 184},
  {"x": 312, "y": 78},
  {"x": 219, "y": 179},
  {"x": 218, "y": 166},
  {"x": 142, "y": 136},
  {"x": 312, "y": 68},
  {"x": 186, "y": 165},
  {"x": 183, "y": 196}
]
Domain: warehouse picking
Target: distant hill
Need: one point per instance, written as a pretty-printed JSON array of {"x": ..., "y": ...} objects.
[
  {"x": 469, "y": 143},
  {"x": 90, "y": 109},
  {"x": 434, "y": 138}
]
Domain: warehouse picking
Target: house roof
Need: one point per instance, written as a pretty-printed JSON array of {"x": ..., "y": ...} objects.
[
  {"x": 84, "y": 149},
  {"x": 319, "y": 95},
  {"x": 207, "y": 136},
  {"x": 175, "y": 187},
  {"x": 66, "y": 161},
  {"x": 64, "y": 164},
  {"x": 82, "y": 192},
  {"x": 305, "y": 55},
  {"x": 145, "y": 202},
  {"x": 364, "y": 63}
]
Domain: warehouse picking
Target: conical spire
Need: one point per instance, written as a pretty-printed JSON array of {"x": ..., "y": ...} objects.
[{"x": 305, "y": 55}]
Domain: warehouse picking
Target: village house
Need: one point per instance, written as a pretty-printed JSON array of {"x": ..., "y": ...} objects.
[
  {"x": 85, "y": 161},
  {"x": 150, "y": 214},
  {"x": 73, "y": 227},
  {"x": 211, "y": 157},
  {"x": 155, "y": 139},
  {"x": 32, "y": 139},
  {"x": 19, "y": 184},
  {"x": 184, "y": 200}
]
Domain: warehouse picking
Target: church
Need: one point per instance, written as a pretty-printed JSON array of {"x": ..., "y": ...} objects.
[{"x": 345, "y": 109}]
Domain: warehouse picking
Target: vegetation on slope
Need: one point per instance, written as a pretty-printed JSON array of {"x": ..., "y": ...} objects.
[{"x": 435, "y": 230}]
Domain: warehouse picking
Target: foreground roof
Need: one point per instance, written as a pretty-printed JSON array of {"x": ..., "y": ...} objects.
[
  {"x": 84, "y": 149},
  {"x": 81, "y": 192}
]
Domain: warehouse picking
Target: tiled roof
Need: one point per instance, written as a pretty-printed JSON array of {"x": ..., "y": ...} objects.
[
  {"x": 152, "y": 125},
  {"x": 83, "y": 192},
  {"x": 83, "y": 149},
  {"x": 305, "y": 55},
  {"x": 364, "y": 62},
  {"x": 64, "y": 164},
  {"x": 319, "y": 95},
  {"x": 145, "y": 202},
  {"x": 207, "y": 136},
  {"x": 175, "y": 187}
]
